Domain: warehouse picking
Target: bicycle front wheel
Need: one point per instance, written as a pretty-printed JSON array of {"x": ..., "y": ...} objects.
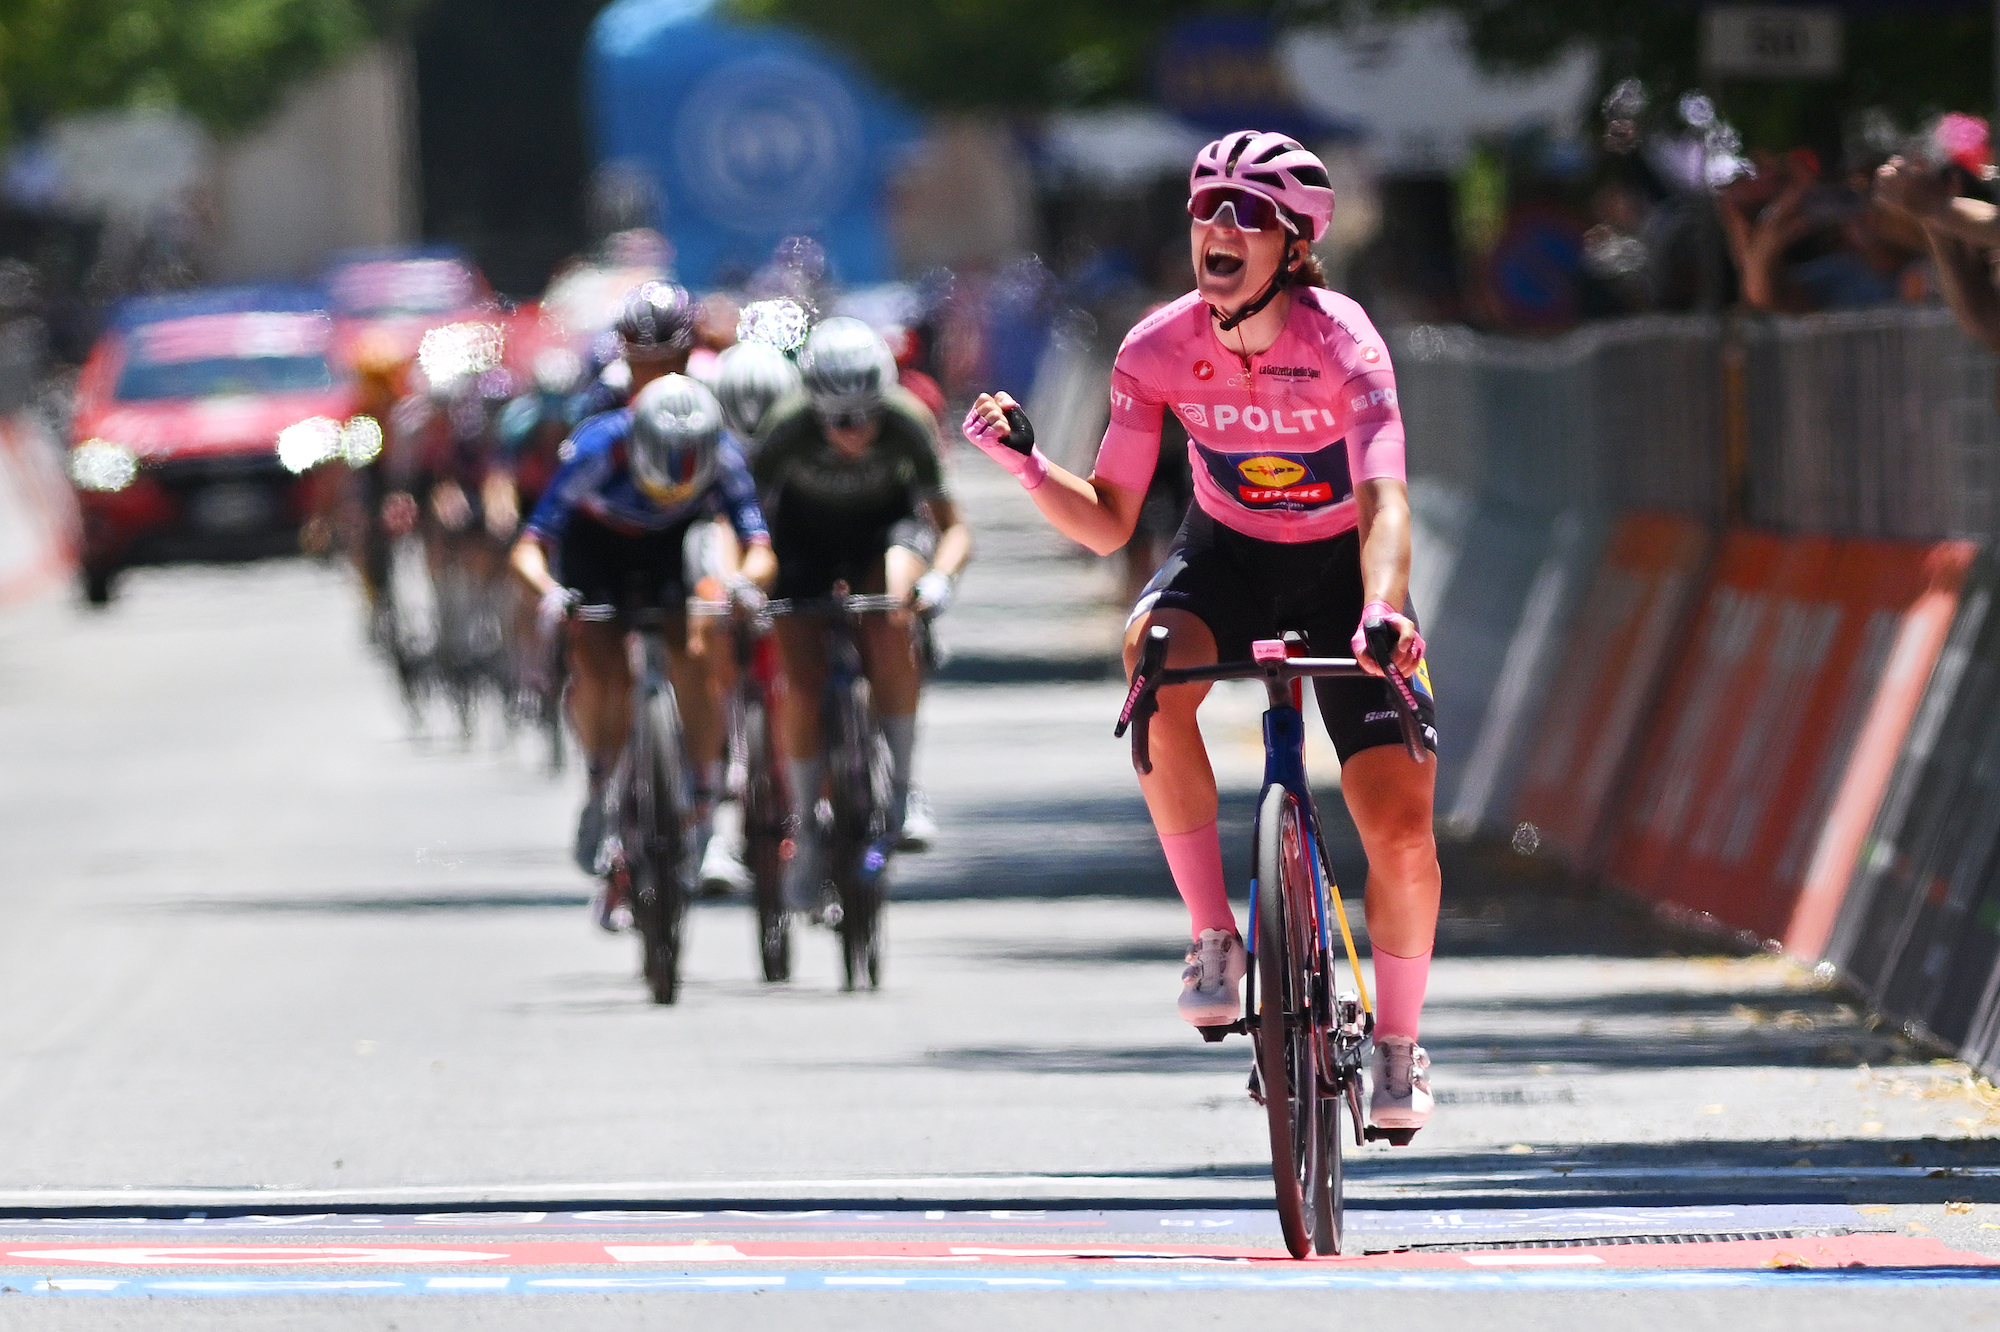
[
  {"x": 1288, "y": 1044},
  {"x": 859, "y": 771},
  {"x": 764, "y": 818},
  {"x": 659, "y": 867}
]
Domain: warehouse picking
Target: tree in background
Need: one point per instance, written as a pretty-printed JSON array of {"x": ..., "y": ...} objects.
[
  {"x": 1006, "y": 54},
  {"x": 224, "y": 61},
  {"x": 1910, "y": 59}
]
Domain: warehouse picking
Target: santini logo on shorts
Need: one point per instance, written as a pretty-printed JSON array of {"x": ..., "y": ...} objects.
[
  {"x": 1275, "y": 479},
  {"x": 1273, "y": 422}
]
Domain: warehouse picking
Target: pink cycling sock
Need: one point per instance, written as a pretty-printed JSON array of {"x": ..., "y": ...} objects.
[
  {"x": 1196, "y": 861},
  {"x": 1399, "y": 992}
]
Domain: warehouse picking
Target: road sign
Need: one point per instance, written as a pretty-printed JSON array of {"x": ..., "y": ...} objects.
[{"x": 1771, "y": 42}]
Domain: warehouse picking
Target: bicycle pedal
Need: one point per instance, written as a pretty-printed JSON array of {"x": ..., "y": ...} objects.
[{"x": 1256, "y": 1086}]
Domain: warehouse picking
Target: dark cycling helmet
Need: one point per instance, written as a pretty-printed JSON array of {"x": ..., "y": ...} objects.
[
  {"x": 846, "y": 366},
  {"x": 658, "y": 318},
  {"x": 749, "y": 377},
  {"x": 675, "y": 426}
]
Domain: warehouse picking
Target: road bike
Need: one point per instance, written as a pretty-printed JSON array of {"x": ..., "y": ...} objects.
[
  {"x": 1309, "y": 1039},
  {"x": 647, "y": 857},
  {"x": 856, "y": 828},
  {"x": 756, "y": 774}
]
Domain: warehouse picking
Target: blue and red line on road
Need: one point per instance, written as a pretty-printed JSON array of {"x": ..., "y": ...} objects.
[{"x": 538, "y": 1266}]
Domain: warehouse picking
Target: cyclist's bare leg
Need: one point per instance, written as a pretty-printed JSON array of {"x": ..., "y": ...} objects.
[
  {"x": 600, "y": 693},
  {"x": 695, "y": 690},
  {"x": 1390, "y": 798},
  {"x": 895, "y": 675},
  {"x": 1180, "y": 790}
]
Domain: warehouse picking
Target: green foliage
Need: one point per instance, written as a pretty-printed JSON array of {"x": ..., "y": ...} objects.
[
  {"x": 1018, "y": 54},
  {"x": 1911, "y": 65},
  {"x": 224, "y": 61}
]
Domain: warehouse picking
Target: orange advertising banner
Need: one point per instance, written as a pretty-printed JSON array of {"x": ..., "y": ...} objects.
[
  {"x": 1622, "y": 642},
  {"x": 1793, "y": 667}
]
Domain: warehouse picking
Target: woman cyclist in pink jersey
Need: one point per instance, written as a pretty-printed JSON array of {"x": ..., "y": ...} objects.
[{"x": 1301, "y": 520}]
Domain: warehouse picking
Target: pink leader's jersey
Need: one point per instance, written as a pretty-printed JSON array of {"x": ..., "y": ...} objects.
[{"x": 1277, "y": 447}]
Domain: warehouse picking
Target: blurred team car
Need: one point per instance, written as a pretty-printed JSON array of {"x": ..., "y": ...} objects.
[
  {"x": 201, "y": 424},
  {"x": 388, "y": 299}
]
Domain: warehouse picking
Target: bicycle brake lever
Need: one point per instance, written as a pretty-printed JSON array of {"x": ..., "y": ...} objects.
[
  {"x": 1152, "y": 658},
  {"x": 1382, "y": 647}
]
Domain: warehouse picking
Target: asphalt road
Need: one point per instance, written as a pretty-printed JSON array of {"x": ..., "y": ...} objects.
[{"x": 266, "y": 953}]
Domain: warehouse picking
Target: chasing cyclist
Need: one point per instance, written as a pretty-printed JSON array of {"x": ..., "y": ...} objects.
[
  {"x": 855, "y": 493},
  {"x": 1300, "y": 520},
  {"x": 615, "y": 518}
]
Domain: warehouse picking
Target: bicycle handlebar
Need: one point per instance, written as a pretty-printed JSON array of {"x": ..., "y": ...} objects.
[
  {"x": 1153, "y": 674},
  {"x": 853, "y": 604}
]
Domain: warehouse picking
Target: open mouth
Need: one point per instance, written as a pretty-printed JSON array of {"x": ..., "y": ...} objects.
[{"x": 1220, "y": 263}]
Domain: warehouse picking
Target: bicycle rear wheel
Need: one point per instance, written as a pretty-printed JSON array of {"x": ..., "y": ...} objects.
[
  {"x": 1288, "y": 1045},
  {"x": 764, "y": 818}
]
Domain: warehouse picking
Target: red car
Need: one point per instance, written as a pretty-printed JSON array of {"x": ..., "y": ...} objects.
[{"x": 206, "y": 425}]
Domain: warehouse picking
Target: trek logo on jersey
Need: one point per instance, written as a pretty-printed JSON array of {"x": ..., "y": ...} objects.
[
  {"x": 1373, "y": 398},
  {"x": 1204, "y": 370}
]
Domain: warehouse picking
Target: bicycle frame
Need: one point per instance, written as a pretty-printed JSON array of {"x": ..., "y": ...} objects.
[{"x": 859, "y": 850}]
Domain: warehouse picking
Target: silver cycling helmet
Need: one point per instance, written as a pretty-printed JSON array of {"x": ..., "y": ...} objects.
[
  {"x": 846, "y": 365},
  {"x": 749, "y": 377},
  {"x": 675, "y": 426}
]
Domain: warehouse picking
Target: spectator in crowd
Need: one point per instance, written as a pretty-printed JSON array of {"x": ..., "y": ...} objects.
[
  {"x": 1961, "y": 230},
  {"x": 1801, "y": 243}
]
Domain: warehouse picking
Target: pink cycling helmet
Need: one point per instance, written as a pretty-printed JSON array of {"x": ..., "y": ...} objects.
[{"x": 1277, "y": 167}]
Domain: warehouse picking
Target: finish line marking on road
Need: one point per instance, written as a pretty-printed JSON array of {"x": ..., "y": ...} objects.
[
  {"x": 1845, "y": 1252},
  {"x": 1572, "y": 1222},
  {"x": 577, "y": 1283}
]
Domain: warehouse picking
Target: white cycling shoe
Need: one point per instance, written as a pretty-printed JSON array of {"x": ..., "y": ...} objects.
[
  {"x": 1400, "y": 1083},
  {"x": 1212, "y": 982},
  {"x": 722, "y": 870}
]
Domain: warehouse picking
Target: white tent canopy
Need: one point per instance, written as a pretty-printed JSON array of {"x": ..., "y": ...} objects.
[{"x": 1416, "y": 93}]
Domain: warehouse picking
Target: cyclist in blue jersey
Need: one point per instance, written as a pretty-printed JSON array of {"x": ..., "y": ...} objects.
[{"x": 607, "y": 540}]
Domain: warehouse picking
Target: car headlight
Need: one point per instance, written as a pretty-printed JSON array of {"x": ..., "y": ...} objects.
[
  {"x": 308, "y": 443},
  {"x": 99, "y": 464}
]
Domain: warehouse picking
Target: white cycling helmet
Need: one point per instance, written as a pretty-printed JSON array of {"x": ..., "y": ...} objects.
[
  {"x": 846, "y": 366},
  {"x": 675, "y": 426},
  {"x": 749, "y": 377}
]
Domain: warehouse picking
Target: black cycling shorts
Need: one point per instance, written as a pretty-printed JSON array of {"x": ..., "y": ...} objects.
[
  {"x": 646, "y": 571},
  {"x": 1245, "y": 589},
  {"x": 813, "y": 557}
]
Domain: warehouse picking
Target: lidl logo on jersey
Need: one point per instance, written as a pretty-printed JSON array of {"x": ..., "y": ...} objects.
[{"x": 1272, "y": 479}]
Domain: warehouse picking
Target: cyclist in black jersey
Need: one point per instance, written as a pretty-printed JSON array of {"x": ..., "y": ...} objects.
[{"x": 854, "y": 493}]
